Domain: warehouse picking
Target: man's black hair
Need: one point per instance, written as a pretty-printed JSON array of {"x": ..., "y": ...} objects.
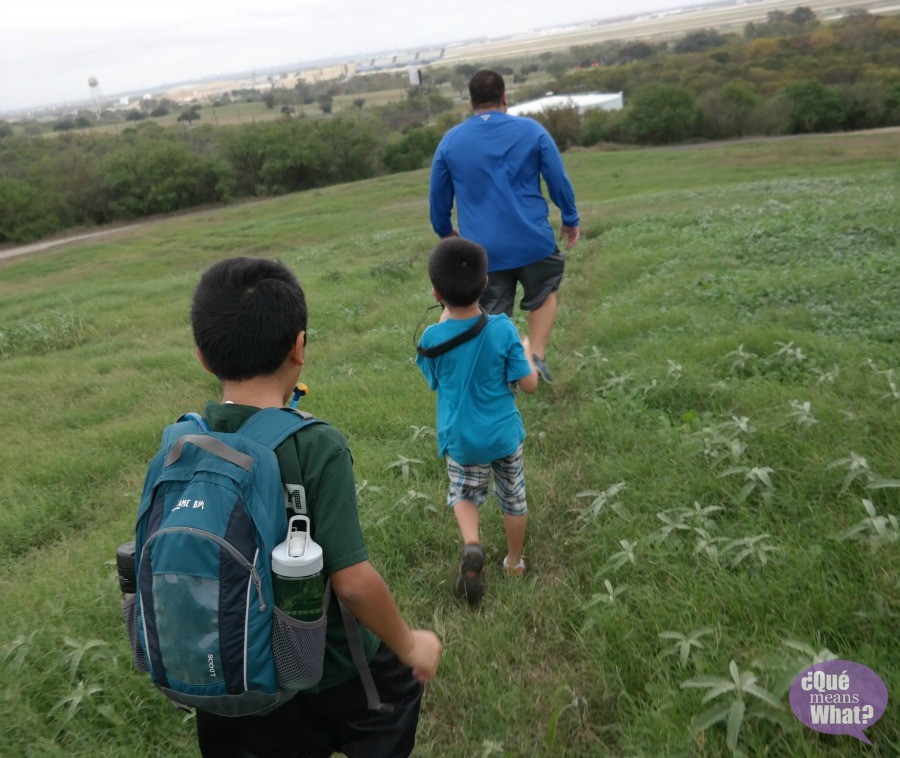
[
  {"x": 246, "y": 314},
  {"x": 486, "y": 87},
  {"x": 457, "y": 268}
]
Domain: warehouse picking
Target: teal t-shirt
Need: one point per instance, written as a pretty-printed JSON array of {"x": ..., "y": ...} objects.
[
  {"x": 477, "y": 417},
  {"x": 318, "y": 458}
]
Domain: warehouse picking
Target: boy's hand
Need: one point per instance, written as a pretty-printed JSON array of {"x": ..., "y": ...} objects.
[
  {"x": 526, "y": 346},
  {"x": 363, "y": 590},
  {"x": 528, "y": 383},
  {"x": 424, "y": 656}
]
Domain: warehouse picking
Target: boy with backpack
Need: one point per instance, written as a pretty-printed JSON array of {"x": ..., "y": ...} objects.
[
  {"x": 249, "y": 321},
  {"x": 474, "y": 362}
]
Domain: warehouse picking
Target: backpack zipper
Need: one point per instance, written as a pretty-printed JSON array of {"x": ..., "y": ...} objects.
[{"x": 235, "y": 553}]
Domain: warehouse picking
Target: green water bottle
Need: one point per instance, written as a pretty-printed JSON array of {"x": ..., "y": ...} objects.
[{"x": 297, "y": 573}]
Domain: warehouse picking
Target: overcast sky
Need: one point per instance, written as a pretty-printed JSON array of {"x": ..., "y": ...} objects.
[{"x": 50, "y": 48}]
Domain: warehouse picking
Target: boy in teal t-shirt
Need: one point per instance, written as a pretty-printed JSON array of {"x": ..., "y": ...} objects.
[{"x": 473, "y": 361}]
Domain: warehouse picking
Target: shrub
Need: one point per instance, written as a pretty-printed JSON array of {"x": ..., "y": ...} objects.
[
  {"x": 564, "y": 125},
  {"x": 662, "y": 114},
  {"x": 413, "y": 150},
  {"x": 598, "y": 126},
  {"x": 24, "y": 212},
  {"x": 155, "y": 177},
  {"x": 813, "y": 107}
]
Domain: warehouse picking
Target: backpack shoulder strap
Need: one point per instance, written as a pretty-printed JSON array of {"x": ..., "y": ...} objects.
[
  {"x": 445, "y": 347},
  {"x": 354, "y": 640},
  {"x": 189, "y": 423},
  {"x": 272, "y": 426}
]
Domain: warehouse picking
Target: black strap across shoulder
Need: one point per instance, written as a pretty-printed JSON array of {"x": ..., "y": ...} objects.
[{"x": 445, "y": 347}]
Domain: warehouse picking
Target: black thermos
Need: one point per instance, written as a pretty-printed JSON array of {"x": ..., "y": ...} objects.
[{"x": 125, "y": 564}]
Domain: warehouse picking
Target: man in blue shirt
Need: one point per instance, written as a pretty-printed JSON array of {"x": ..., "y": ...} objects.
[{"x": 492, "y": 165}]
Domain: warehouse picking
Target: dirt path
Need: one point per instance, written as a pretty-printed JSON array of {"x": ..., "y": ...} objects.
[{"x": 15, "y": 252}]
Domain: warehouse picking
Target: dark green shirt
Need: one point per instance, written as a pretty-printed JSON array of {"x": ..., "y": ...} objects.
[{"x": 318, "y": 458}]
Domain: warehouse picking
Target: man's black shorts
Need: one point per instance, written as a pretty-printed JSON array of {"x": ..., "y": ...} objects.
[{"x": 538, "y": 280}]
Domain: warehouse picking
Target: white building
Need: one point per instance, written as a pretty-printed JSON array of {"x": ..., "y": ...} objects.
[{"x": 583, "y": 102}]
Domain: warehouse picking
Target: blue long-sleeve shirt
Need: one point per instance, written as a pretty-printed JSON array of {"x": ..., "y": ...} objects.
[{"x": 491, "y": 165}]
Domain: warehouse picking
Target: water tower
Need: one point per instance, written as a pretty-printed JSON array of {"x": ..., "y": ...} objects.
[{"x": 96, "y": 95}]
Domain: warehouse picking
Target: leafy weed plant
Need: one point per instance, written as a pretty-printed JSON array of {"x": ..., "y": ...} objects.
[
  {"x": 684, "y": 644},
  {"x": 746, "y": 700},
  {"x": 874, "y": 529}
]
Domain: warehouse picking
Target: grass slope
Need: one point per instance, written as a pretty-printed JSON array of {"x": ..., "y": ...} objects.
[{"x": 726, "y": 404}]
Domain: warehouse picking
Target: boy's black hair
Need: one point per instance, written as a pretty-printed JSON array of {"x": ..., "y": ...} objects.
[
  {"x": 486, "y": 87},
  {"x": 246, "y": 314},
  {"x": 457, "y": 268}
]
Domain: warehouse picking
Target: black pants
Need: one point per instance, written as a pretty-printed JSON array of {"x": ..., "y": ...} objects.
[{"x": 336, "y": 720}]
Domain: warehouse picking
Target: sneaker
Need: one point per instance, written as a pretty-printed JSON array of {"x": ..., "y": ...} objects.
[
  {"x": 517, "y": 570},
  {"x": 470, "y": 580},
  {"x": 541, "y": 365}
]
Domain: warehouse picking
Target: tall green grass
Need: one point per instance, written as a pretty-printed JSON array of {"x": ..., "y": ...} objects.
[{"x": 702, "y": 476}]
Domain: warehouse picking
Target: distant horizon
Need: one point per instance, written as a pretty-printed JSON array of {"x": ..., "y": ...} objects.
[
  {"x": 180, "y": 50},
  {"x": 46, "y": 60},
  {"x": 302, "y": 65}
]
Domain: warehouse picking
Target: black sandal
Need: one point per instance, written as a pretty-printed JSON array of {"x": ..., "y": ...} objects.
[{"x": 470, "y": 580}]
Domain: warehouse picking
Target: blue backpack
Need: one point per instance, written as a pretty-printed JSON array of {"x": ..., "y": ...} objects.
[{"x": 204, "y": 622}]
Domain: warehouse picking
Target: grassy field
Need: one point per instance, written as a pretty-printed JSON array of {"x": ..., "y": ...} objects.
[
  {"x": 235, "y": 114},
  {"x": 714, "y": 477}
]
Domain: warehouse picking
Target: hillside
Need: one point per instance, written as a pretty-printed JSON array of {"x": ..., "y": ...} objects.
[{"x": 713, "y": 478}]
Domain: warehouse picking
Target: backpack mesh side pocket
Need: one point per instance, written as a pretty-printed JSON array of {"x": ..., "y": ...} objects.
[
  {"x": 299, "y": 649},
  {"x": 129, "y": 613}
]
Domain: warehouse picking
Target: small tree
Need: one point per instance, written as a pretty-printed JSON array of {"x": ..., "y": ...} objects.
[
  {"x": 564, "y": 125},
  {"x": 412, "y": 151},
  {"x": 465, "y": 70},
  {"x": 661, "y": 114},
  {"x": 801, "y": 16},
  {"x": 814, "y": 107},
  {"x": 727, "y": 111},
  {"x": 189, "y": 116},
  {"x": 697, "y": 41},
  {"x": 326, "y": 102},
  {"x": 634, "y": 51},
  {"x": 558, "y": 67},
  {"x": 600, "y": 126},
  {"x": 863, "y": 105}
]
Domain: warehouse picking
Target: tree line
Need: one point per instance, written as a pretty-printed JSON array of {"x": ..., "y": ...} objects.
[
  {"x": 85, "y": 179},
  {"x": 787, "y": 75}
]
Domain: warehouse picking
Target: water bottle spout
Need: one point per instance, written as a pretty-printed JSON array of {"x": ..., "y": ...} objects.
[{"x": 297, "y": 540}]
